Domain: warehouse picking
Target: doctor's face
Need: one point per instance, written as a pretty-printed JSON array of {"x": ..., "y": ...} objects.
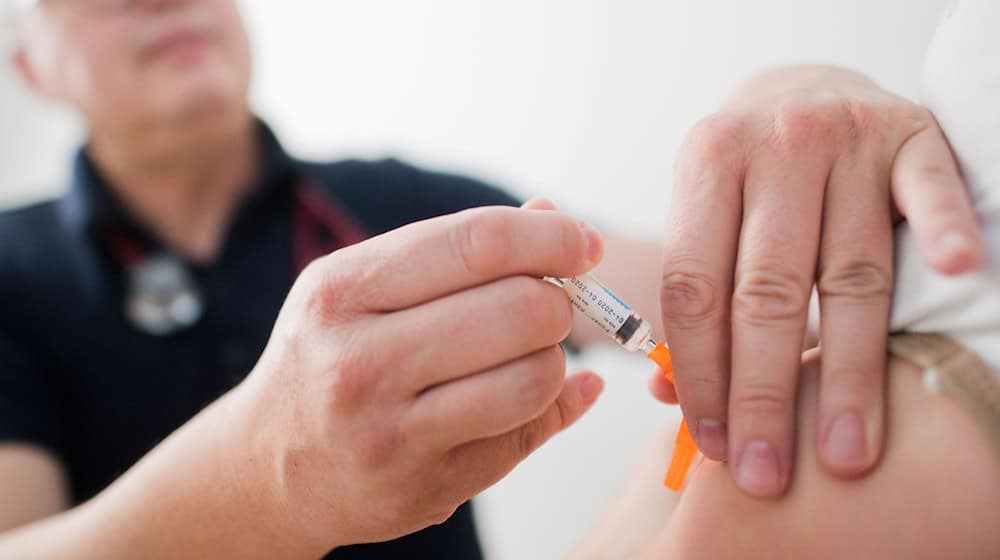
[{"x": 128, "y": 63}]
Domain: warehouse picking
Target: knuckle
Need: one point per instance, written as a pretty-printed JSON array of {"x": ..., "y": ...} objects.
[
  {"x": 855, "y": 280},
  {"x": 313, "y": 272},
  {"x": 688, "y": 298},
  {"x": 564, "y": 414},
  {"x": 797, "y": 124},
  {"x": 543, "y": 379},
  {"x": 714, "y": 139},
  {"x": 375, "y": 447},
  {"x": 713, "y": 154},
  {"x": 853, "y": 382},
  {"x": 350, "y": 385},
  {"x": 704, "y": 393},
  {"x": 762, "y": 398},
  {"x": 325, "y": 287},
  {"x": 571, "y": 244},
  {"x": 916, "y": 117},
  {"x": 540, "y": 309},
  {"x": 530, "y": 437},
  {"x": 865, "y": 120},
  {"x": 347, "y": 391},
  {"x": 936, "y": 173},
  {"x": 481, "y": 240},
  {"x": 766, "y": 295},
  {"x": 465, "y": 475},
  {"x": 310, "y": 285}
]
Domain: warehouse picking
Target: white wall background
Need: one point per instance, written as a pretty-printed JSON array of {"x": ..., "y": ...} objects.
[{"x": 585, "y": 101}]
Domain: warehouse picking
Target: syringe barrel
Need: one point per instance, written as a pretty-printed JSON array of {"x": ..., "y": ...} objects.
[{"x": 608, "y": 311}]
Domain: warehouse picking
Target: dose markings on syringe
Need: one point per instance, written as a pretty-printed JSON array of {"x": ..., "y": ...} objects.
[{"x": 598, "y": 303}]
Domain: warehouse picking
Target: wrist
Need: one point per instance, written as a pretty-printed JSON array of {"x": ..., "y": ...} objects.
[
  {"x": 202, "y": 492},
  {"x": 263, "y": 452}
]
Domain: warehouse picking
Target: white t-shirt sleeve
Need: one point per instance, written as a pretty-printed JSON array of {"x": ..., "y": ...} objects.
[{"x": 961, "y": 86}]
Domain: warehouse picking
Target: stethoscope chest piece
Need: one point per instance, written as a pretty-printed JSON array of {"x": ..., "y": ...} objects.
[{"x": 162, "y": 298}]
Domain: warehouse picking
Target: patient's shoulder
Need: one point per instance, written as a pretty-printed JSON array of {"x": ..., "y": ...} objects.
[{"x": 934, "y": 494}]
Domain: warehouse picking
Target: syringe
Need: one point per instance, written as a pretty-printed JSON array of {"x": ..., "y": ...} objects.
[
  {"x": 632, "y": 332},
  {"x": 614, "y": 316}
]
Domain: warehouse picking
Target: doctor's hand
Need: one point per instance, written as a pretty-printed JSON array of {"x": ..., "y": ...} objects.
[
  {"x": 409, "y": 372},
  {"x": 795, "y": 183}
]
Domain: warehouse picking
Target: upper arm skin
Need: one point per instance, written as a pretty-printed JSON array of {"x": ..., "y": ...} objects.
[
  {"x": 632, "y": 269},
  {"x": 935, "y": 493},
  {"x": 32, "y": 485}
]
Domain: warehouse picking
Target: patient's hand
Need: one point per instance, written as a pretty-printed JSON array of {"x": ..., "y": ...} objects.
[
  {"x": 794, "y": 183},
  {"x": 935, "y": 494}
]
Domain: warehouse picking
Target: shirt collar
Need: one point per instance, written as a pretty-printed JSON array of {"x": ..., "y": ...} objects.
[{"x": 90, "y": 204}]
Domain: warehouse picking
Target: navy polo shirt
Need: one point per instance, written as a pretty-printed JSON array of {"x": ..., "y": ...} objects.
[{"x": 79, "y": 380}]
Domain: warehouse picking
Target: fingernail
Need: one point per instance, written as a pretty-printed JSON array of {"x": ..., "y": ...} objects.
[
  {"x": 844, "y": 445},
  {"x": 539, "y": 203},
  {"x": 757, "y": 471},
  {"x": 954, "y": 243},
  {"x": 594, "y": 241},
  {"x": 591, "y": 388},
  {"x": 712, "y": 439}
]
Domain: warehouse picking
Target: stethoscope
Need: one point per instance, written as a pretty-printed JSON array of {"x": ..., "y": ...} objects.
[{"x": 163, "y": 297}]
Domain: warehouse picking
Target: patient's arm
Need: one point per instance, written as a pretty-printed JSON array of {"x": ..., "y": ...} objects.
[
  {"x": 639, "y": 510},
  {"x": 935, "y": 494}
]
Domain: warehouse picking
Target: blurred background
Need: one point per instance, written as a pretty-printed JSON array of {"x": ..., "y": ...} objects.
[{"x": 582, "y": 101}]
